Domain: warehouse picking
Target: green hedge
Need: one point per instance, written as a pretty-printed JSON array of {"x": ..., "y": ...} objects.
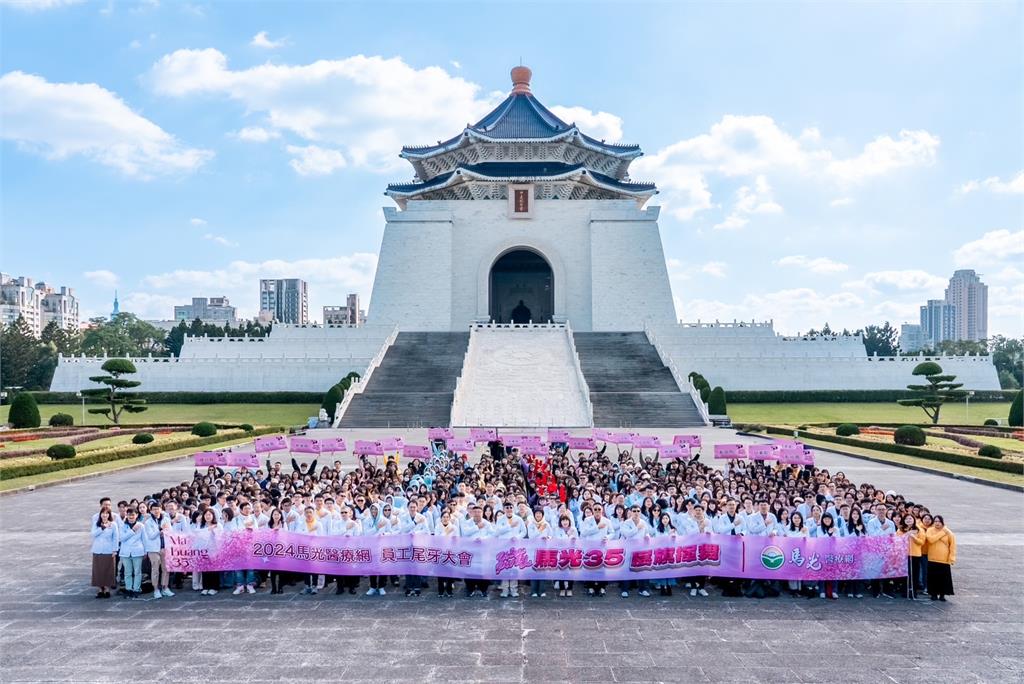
[
  {"x": 121, "y": 453},
  {"x": 910, "y": 435},
  {"x": 847, "y": 429},
  {"x": 196, "y": 397},
  {"x": 919, "y": 452},
  {"x": 142, "y": 438},
  {"x": 59, "y": 451},
  {"x": 846, "y": 396}
]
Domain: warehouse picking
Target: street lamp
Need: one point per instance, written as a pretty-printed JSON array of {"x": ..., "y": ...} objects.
[
  {"x": 82, "y": 397},
  {"x": 967, "y": 401}
]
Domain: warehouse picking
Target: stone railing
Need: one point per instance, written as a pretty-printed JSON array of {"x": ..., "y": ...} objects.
[
  {"x": 359, "y": 384},
  {"x": 682, "y": 381},
  {"x": 584, "y": 387}
]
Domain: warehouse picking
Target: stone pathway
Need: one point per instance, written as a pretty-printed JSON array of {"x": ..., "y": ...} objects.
[{"x": 52, "y": 629}]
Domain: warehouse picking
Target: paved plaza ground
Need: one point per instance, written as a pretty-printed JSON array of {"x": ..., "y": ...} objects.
[{"x": 52, "y": 629}]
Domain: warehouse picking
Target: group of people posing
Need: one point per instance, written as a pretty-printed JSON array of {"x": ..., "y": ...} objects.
[{"x": 589, "y": 495}]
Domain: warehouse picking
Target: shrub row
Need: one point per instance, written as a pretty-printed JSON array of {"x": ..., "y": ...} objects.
[
  {"x": 79, "y": 439},
  {"x": 196, "y": 397},
  {"x": 959, "y": 459},
  {"x": 846, "y": 396},
  {"x": 121, "y": 453}
]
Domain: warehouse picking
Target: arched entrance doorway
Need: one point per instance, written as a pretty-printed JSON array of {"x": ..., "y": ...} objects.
[{"x": 522, "y": 288}]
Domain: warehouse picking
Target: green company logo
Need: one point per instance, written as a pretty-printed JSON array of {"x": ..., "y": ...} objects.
[{"x": 772, "y": 557}]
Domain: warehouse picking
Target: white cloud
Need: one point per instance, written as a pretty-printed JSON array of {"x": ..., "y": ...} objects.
[
  {"x": 38, "y": 5},
  {"x": 885, "y": 154},
  {"x": 150, "y": 306},
  {"x": 197, "y": 221},
  {"x": 841, "y": 202},
  {"x": 1014, "y": 186},
  {"x": 261, "y": 40},
  {"x": 904, "y": 281},
  {"x": 997, "y": 245},
  {"x": 455, "y": 63},
  {"x": 739, "y": 145},
  {"x": 315, "y": 161},
  {"x": 256, "y": 134},
  {"x": 600, "y": 125},
  {"x": 364, "y": 107},
  {"x": 220, "y": 240},
  {"x": 369, "y": 106},
  {"x": 758, "y": 199},
  {"x": 330, "y": 279},
  {"x": 814, "y": 265},
  {"x": 61, "y": 120},
  {"x": 102, "y": 277},
  {"x": 714, "y": 268},
  {"x": 135, "y": 44}
]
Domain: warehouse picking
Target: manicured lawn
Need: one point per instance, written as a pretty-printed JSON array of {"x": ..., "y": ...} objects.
[
  {"x": 980, "y": 473},
  {"x": 57, "y": 476},
  {"x": 254, "y": 414},
  {"x": 796, "y": 414}
]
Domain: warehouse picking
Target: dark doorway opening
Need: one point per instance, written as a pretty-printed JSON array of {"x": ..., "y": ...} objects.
[{"x": 522, "y": 288}]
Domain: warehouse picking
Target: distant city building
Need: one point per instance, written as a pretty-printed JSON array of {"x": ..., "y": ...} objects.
[
  {"x": 60, "y": 306},
  {"x": 937, "y": 323},
  {"x": 911, "y": 338},
  {"x": 284, "y": 300},
  {"x": 969, "y": 298},
  {"x": 215, "y": 310},
  {"x": 37, "y": 303},
  {"x": 350, "y": 314}
]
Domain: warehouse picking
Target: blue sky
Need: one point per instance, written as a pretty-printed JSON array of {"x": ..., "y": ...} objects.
[{"x": 825, "y": 162}]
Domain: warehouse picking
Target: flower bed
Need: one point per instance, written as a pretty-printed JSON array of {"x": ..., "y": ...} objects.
[{"x": 92, "y": 435}]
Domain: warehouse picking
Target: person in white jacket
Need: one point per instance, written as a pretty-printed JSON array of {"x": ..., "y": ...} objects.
[
  {"x": 538, "y": 528},
  {"x": 153, "y": 542},
  {"x": 104, "y": 552},
  {"x": 310, "y": 525},
  {"x": 245, "y": 521},
  {"x": 131, "y": 552},
  {"x": 475, "y": 527},
  {"x": 635, "y": 527},
  {"x": 564, "y": 531},
  {"x": 414, "y": 522},
  {"x": 595, "y": 527},
  {"x": 509, "y": 526},
  {"x": 446, "y": 527},
  {"x": 346, "y": 526}
]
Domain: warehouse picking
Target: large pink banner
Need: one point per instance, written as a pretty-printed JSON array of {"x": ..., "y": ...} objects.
[
  {"x": 691, "y": 441},
  {"x": 368, "y": 448},
  {"x": 582, "y": 443},
  {"x": 210, "y": 458},
  {"x": 483, "y": 434},
  {"x": 329, "y": 445},
  {"x": 671, "y": 451},
  {"x": 730, "y": 451},
  {"x": 242, "y": 459},
  {"x": 780, "y": 558}
]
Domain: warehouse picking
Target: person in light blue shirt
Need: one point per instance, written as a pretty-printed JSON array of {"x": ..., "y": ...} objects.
[
  {"x": 104, "y": 552},
  {"x": 131, "y": 552}
]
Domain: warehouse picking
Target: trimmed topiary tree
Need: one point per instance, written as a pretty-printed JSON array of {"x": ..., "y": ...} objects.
[
  {"x": 1017, "y": 410},
  {"x": 332, "y": 398},
  {"x": 716, "y": 402},
  {"x": 142, "y": 438},
  {"x": 991, "y": 451},
  {"x": 61, "y": 420},
  {"x": 247, "y": 427},
  {"x": 991, "y": 421},
  {"x": 938, "y": 391},
  {"x": 59, "y": 451},
  {"x": 909, "y": 435},
  {"x": 847, "y": 429},
  {"x": 24, "y": 412},
  {"x": 114, "y": 394},
  {"x": 204, "y": 429}
]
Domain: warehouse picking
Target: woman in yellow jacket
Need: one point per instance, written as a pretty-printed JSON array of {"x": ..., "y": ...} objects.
[
  {"x": 941, "y": 557},
  {"x": 909, "y": 527}
]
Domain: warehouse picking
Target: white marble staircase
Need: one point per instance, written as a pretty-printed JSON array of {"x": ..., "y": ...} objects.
[{"x": 521, "y": 376}]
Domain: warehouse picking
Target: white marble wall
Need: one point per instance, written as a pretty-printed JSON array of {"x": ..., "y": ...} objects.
[
  {"x": 754, "y": 358},
  {"x": 291, "y": 359},
  {"x": 606, "y": 257}
]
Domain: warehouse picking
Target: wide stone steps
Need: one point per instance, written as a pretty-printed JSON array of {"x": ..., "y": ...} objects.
[
  {"x": 629, "y": 384},
  {"x": 414, "y": 384}
]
